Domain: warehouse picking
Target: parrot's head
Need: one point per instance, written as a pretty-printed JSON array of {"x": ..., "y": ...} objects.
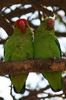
[
  {"x": 21, "y": 24},
  {"x": 49, "y": 23}
]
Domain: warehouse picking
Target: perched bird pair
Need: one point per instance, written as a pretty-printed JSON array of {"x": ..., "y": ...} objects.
[{"x": 20, "y": 46}]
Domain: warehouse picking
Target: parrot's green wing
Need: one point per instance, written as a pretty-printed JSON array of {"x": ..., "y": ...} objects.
[
  {"x": 57, "y": 42},
  {"x": 55, "y": 81}
]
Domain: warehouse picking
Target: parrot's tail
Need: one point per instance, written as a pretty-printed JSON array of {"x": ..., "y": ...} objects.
[
  {"x": 54, "y": 79},
  {"x": 21, "y": 91}
]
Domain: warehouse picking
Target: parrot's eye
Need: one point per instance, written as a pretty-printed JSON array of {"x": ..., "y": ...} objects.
[
  {"x": 50, "y": 24},
  {"x": 22, "y": 24}
]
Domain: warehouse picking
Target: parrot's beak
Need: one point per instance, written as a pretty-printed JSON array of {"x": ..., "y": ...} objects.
[{"x": 50, "y": 27}]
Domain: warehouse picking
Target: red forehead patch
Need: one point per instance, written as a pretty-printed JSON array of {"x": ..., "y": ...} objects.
[
  {"x": 50, "y": 21},
  {"x": 19, "y": 20}
]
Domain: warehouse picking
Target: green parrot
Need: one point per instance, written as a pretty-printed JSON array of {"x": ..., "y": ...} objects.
[
  {"x": 19, "y": 47},
  {"x": 46, "y": 45}
]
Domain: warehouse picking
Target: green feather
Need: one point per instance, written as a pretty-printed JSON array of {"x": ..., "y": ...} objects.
[
  {"x": 19, "y": 47},
  {"x": 46, "y": 45}
]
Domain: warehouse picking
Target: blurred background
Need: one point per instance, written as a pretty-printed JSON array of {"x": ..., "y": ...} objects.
[{"x": 37, "y": 87}]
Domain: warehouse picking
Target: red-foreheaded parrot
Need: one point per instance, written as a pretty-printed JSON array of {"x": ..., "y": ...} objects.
[
  {"x": 19, "y": 47},
  {"x": 46, "y": 45}
]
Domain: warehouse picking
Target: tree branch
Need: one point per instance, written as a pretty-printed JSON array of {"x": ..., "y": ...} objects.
[
  {"x": 5, "y": 24},
  {"x": 58, "y": 3},
  {"x": 60, "y": 34},
  {"x": 37, "y": 65},
  {"x": 18, "y": 12}
]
